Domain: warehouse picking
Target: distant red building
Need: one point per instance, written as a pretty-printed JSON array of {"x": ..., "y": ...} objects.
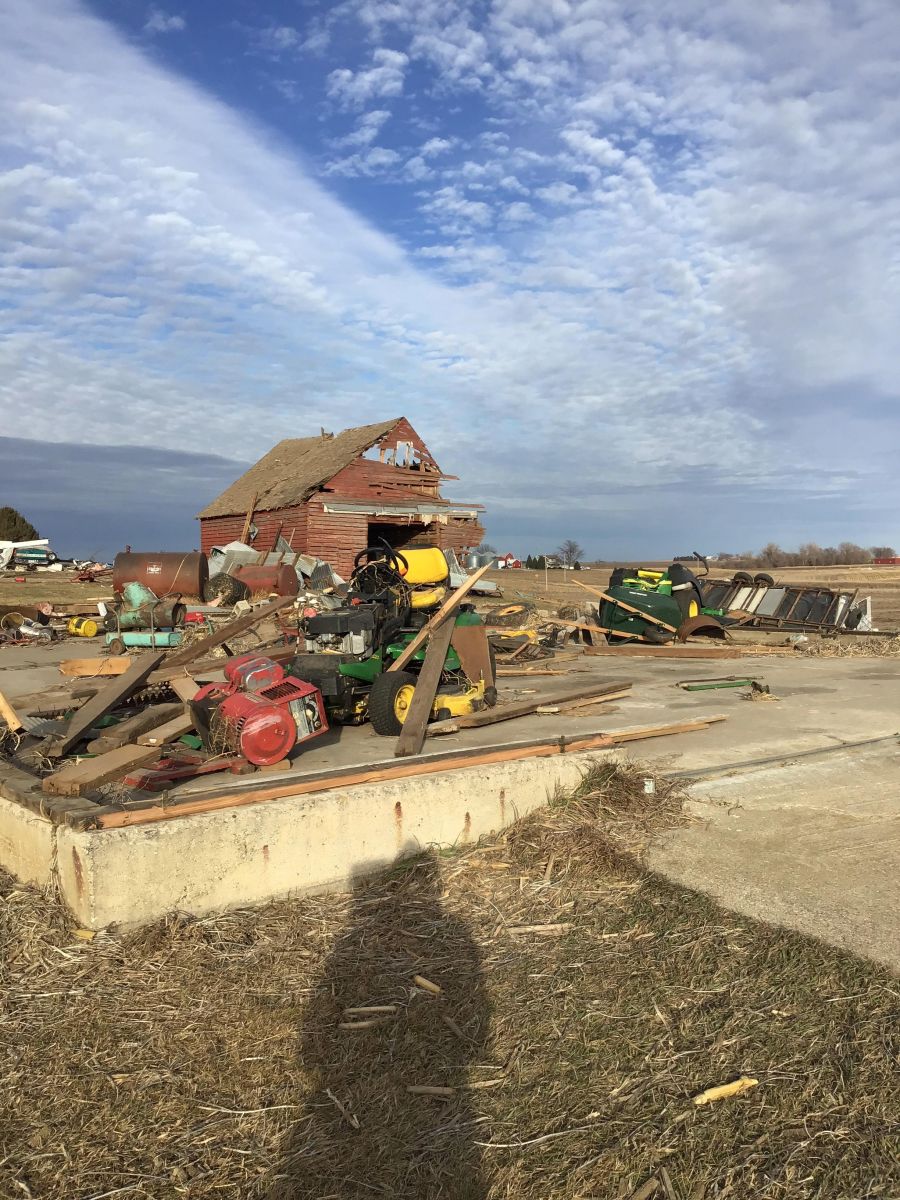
[
  {"x": 509, "y": 562},
  {"x": 333, "y": 495}
]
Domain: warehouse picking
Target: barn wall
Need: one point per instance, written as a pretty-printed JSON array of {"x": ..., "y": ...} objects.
[{"x": 217, "y": 531}]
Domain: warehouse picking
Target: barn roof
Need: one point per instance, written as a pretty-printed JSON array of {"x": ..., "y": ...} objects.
[{"x": 294, "y": 469}]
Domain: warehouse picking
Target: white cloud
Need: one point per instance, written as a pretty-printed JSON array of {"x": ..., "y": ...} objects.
[
  {"x": 722, "y": 280},
  {"x": 162, "y": 22},
  {"x": 435, "y": 146},
  {"x": 354, "y": 89},
  {"x": 368, "y": 127}
]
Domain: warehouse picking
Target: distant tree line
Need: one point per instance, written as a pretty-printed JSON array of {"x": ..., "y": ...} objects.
[{"x": 808, "y": 555}]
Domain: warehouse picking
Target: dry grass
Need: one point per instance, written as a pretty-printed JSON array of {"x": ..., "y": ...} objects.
[
  {"x": 855, "y": 647},
  {"x": 206, "y": 1058}
]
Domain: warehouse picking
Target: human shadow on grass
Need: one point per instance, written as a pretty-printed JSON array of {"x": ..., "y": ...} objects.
[{"x": 364, "y": 1133}]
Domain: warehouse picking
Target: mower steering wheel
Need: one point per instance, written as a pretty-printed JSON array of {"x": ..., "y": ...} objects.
[
  {"x": 381, "y": 555},
  {"x": 378, "y": 569}
]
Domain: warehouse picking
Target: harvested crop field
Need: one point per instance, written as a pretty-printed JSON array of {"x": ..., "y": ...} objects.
[{"x": 582, "y": 1004}]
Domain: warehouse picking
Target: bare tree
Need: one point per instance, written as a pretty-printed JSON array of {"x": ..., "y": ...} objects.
[
  {"x": 485, "y": 548},
  {"x": 882, "y": 551},
  {"x": 569, "y": 553}
]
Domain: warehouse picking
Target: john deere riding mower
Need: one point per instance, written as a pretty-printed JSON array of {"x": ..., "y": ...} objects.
[
  {"x": 349, "y": 649},
  {"x": 642, "y": 603}
]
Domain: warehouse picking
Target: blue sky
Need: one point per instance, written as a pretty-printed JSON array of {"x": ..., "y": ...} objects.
[{"x": 631, "y": 268}]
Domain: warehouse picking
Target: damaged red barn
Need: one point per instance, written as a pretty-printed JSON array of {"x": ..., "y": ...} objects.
[{"x": 331, "y": 496}]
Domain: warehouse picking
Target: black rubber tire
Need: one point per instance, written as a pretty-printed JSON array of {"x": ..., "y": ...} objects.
[
  {"x": 742, "y": 577},
  {"x": 763, "y": 580},
  {"x": 381, "y": 701}
]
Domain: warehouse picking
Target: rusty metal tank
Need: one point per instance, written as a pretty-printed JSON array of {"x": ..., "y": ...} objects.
[
  {"x": 168, "y": 573},
  {"x": 282, "y": 580}
]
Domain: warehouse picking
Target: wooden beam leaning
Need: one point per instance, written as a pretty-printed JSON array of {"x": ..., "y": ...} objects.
[
  {"x": 412, "y": 735},
  {"x": 98, "y": 706},
  {"x": 437, "y": 619}
]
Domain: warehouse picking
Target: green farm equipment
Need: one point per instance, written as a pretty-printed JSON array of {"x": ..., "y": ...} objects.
[
  {"x": 655, "y": 606},
  {"x": 349, "y": 649}
]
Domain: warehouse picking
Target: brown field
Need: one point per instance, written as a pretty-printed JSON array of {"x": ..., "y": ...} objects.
[
  {"x": 559, "y": 587},
  {"x": 881, "y": 583}
]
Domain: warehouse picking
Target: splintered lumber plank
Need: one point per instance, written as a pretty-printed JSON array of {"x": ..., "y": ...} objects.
[
  {"x": 90, "y": 668},
  {"x": 471, "y": 644},
  {"x": 107, "y": 698},
  {"x": 170, "y": 732},
  {"x": 191, "y": 653},
  {"x": 248, "y": 520},
  {"x": 9, "y": 715},
  {"x": 377, "y": 773},
  {"x": 507, "y": 712},
  {"x": 628, "y": 607},
  {"x": 184, "y": 688},
  {"x": 412, "y": 735},
  {"x": 76, "y": 778},
  {"x": 437, "y": 619},
  {"x": 640, "y": 732},
  {"x": 129, "y": 729}
]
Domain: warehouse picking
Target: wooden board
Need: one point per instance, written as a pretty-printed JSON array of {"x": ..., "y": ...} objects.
[
  {"x": 76, "y": 778},
  {"x": 471, "y": 644},
  {"x": 437, "y": 619},
  {"x": 170, "y": 732},
  {"x": 524, "y": 708},
  {"x": 127, "y": 731},
  {"x": 378, "y": 773},
  {"x": 412, "y": 735},
  {"x": 191, "y": 653},
  {"x": 107, "y": 698},
  {"x": 9, "y": 715},
  {"x": 184, "y": 688},
  {"x": 93, "y": 668}
]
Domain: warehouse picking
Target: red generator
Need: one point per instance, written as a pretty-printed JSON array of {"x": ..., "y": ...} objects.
[{"x": 265, "y": 721}]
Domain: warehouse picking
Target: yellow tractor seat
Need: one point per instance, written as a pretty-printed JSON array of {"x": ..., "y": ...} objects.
[{"x": 424, "y": 566}]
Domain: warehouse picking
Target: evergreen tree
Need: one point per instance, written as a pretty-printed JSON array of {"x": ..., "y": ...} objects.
[{"x": 14, "y": 527}]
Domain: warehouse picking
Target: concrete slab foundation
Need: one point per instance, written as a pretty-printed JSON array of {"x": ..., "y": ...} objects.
[{"x": 813, "y": 843}]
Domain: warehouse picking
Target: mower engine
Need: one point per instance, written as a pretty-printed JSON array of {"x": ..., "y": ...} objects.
[
  {"x": 260, "y": 712},
  {"x": 349, "y": 631}
]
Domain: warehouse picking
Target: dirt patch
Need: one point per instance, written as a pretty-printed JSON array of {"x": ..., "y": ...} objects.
[{"x": 582, "y": 1003}]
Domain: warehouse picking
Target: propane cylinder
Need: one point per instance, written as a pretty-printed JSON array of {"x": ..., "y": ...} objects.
[
  {"x": 247, "y": 724},
  {"x": 280, "y": 579},
  {"x": 166, "y": 573}
]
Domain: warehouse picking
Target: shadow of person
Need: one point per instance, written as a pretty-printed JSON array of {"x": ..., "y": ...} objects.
[{"x": 364, "y": 1132}]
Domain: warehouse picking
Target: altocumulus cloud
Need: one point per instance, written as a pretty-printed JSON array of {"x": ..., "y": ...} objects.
[{"x": 646, "y": 265}]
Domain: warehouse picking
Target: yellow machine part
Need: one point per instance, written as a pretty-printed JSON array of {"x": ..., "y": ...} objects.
[
  {"x": 457, "y": 704},
  {"x": 424, "y": 566},
  {"x": 82, "y": 627},
  {"x": 427, "y": 597}
]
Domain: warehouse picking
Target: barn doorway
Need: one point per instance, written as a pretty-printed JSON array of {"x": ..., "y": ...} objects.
[{"x": 398, "y": 536}]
